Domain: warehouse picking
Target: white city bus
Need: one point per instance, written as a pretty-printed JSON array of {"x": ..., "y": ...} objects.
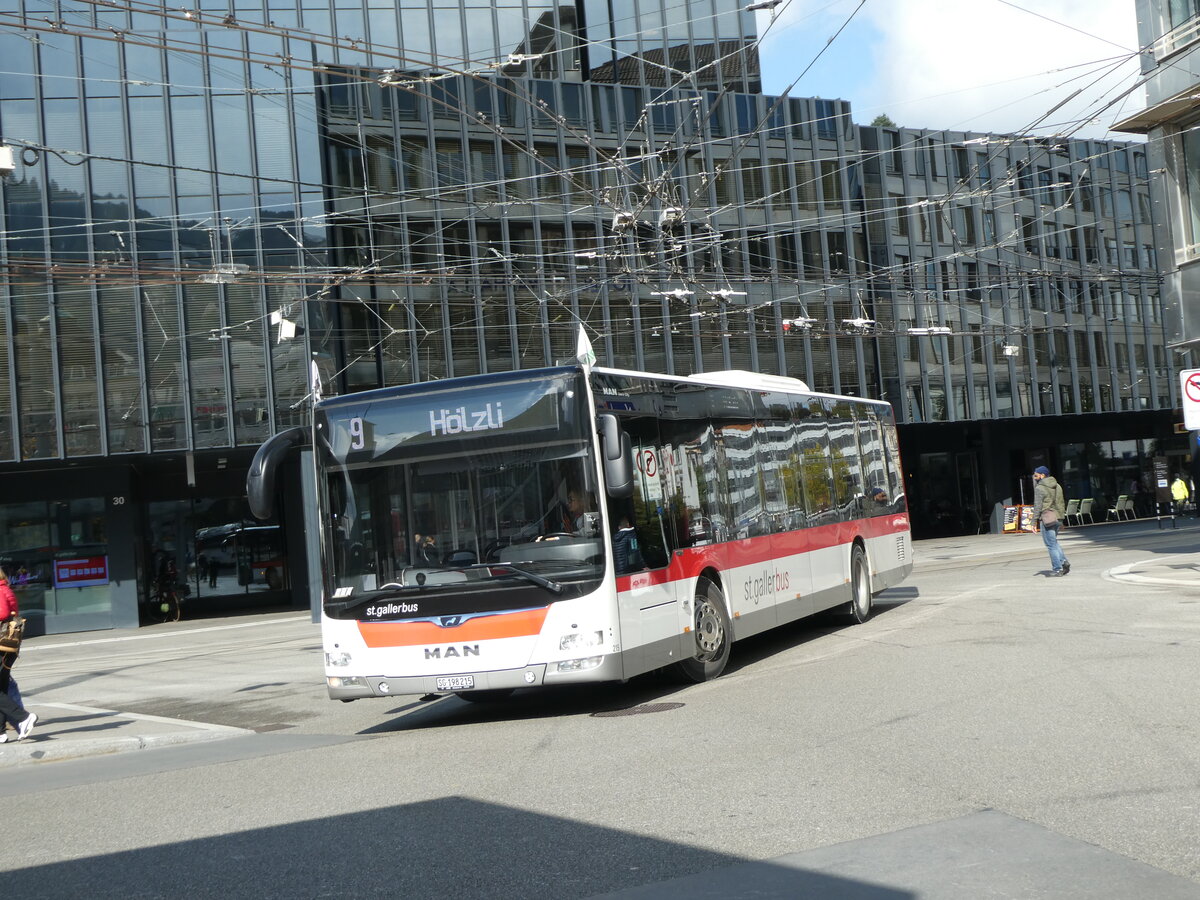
[{"x": 575, "y": 524}]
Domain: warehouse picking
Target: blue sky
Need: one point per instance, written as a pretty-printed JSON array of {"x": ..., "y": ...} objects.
[{"x": 972, "y": 65}]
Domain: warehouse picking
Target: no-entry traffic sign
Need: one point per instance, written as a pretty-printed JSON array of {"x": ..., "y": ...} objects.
[{"x": 1189, "y": 390}]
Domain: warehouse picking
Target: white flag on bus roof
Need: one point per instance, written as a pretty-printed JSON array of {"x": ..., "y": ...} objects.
[
  {"x": 583, "y": 349},
  {"x": 315, "y": 379}
]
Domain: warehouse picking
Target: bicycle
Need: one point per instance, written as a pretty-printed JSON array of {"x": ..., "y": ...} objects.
[{"x": 166, "y": 605}]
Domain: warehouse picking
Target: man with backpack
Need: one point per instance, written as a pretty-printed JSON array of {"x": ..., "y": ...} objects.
[{"x": 1049, "y": 511}]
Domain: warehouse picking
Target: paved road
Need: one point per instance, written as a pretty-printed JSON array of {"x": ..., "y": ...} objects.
[{"x": 991, "y": 731}]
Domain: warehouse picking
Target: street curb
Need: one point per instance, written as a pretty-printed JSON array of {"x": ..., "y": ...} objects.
[
  {"x": 48, "y": 749},
  {"x": 52, "y": 747}
]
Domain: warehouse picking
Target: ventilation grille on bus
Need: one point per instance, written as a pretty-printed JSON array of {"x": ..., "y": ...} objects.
[{"x": 900, "y": 548}]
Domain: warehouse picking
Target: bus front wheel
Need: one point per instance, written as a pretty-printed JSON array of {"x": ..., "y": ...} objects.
[
  {"x": 711, "y": 632},
  {"x": 860, "y": 585}
]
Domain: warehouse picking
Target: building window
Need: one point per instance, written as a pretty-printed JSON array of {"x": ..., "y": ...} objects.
[
  {"x": 826, "y": 119},
  {"x": 1182, "y": 11},
  {"x": 984, "y": 165},
  {"x": 901, "y": 221},
  {"x": 746, "y": 113},
  {"x": 895, "y": 157},
  {"x": 831, "y": 182},
  {"x": 798, "y": 118},
  {"x": 56, "y": 557}
]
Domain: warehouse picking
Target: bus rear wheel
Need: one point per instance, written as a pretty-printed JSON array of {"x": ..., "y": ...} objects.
[
  {"x": 859, "y": 607},
  {"x": 712, "y": 633}
]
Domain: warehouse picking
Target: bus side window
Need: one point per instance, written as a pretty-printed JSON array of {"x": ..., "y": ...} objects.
[
  {"x": 814, "y": 467},
  {"x": 847, "y": 475},
  {"x": 700, "y": 482},
  {"x": 895, "y": 475},
  {"x": 878, "y": 490}
]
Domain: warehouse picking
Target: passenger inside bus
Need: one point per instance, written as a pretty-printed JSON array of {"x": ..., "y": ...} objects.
[
  {"x": 627, "y": 557},
  {"x": 425, "y": 551}
]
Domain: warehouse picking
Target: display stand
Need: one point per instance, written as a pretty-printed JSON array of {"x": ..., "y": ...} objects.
[{"x": 1019, "y": 520}]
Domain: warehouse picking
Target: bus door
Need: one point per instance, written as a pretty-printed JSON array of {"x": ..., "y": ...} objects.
[{"x": 643, "y": 542}]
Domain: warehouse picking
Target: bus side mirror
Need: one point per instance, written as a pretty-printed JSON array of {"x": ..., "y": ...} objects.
[
  {"x": 617, "y": 450},
  {"x": 260, "y": 480}
]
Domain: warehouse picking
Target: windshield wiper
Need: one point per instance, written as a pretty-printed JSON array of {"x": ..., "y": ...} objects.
[
  {"x": 523, "y": 573},
  {"x": 393, "y": 588},
  {"x": 539, "y": 580}
]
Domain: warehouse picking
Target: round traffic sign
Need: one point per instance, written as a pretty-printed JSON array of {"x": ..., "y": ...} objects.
[{"x": 1192, "y": 387}]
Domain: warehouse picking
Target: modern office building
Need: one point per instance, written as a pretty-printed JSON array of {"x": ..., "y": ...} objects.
[
  {"x": 1169, "y": 35},
  {"x": 206, "y": 202}
]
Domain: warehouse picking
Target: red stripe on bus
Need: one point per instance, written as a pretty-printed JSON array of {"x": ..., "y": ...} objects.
[
  {"x": 483, "y": 628},
  {"x": 763, "y": 549}
]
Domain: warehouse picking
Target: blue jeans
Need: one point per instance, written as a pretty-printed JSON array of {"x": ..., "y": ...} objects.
[{"x": 1050, "y": 538}]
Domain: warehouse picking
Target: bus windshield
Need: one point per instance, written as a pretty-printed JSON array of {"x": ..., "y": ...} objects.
[{"x": 459, "y": 495}]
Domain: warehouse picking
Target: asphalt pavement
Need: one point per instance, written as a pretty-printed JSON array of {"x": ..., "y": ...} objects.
[{"x": 67, "y": 730}]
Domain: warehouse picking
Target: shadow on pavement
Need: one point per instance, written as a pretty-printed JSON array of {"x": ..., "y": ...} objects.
[
  {"x": 451, "y": 847},
  {"x": 609, "y": 698}
]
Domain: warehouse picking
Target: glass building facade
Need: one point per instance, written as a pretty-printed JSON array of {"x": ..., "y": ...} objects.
[
  {"x": 1169, "y": 32},
  {"x": 1169, "y": 35},
  {"x": 208, "y": 200}
]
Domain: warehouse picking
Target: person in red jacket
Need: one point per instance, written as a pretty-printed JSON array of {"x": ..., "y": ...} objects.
[{"x": 11, "y": 709}]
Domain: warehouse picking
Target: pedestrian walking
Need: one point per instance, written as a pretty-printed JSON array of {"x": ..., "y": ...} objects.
[
  {"x": 1180, "y": 494},
  {"x": 11, "y": 709},
  {"x": 1049, "y": 511}
]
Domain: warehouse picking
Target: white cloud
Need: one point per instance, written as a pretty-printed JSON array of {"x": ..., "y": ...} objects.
[{"x": 978, "y": 65}]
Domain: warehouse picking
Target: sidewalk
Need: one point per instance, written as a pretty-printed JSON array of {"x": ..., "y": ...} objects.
[
  {"x": 68, "y": 731},
  {"x": 964, "y": 550}
]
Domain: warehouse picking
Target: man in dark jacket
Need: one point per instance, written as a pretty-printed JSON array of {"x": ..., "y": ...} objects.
[{"x": 1049, "y": 503}]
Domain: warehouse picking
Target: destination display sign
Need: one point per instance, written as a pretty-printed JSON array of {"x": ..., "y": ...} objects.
[{"x": 380, "y": 428}]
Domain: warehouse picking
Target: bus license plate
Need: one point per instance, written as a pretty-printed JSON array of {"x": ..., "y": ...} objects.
[{"x": 456, "y": 683}]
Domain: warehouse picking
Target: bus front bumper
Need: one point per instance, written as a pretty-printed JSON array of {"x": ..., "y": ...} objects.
[{"x": 350, "y": 687}]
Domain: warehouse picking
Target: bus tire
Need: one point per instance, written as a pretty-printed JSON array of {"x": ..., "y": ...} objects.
[
  {"x": 712, "y": 634},
  {"x": 859, "y": 607},
  {"x": 489, "y": 696}
]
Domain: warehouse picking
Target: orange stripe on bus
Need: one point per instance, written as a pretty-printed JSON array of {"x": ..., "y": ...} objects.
[{"x": 485, "y": 628}]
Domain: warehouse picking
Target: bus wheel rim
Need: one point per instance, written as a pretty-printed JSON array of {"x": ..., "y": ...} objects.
[{"x": 710, "y": 632}]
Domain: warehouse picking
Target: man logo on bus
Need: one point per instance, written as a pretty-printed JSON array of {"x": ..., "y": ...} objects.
[
  {"x": 462, "y": 419},
  {"x": 452, "y": 652}
]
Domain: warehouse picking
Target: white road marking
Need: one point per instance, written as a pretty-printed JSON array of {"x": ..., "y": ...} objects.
[
  {"x": 161, "y": 720},
  {"x": 1126, "y": 573},
  {"x": 37, "y": 648}
]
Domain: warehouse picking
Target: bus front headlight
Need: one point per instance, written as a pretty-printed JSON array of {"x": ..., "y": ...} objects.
[
  {"x": 584, "y": 640},
  {"x": 579, "y": 665}
]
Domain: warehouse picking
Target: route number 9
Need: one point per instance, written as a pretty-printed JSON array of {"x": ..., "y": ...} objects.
[{"x": 357, "y": 437}]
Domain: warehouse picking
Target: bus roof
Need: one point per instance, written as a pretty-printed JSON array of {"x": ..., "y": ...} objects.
[
  {"x": 733, "y": 378},
  {"x": 740, "y": 378}
]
